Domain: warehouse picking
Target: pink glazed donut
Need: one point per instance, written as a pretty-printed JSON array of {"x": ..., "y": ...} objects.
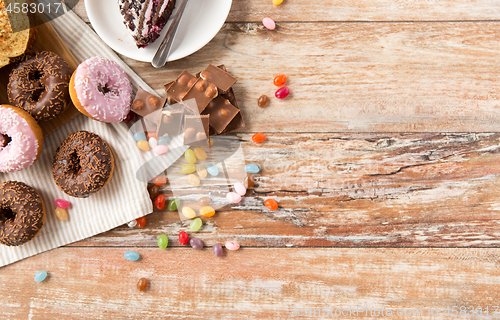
[
  {"x": 101, "y": 90},
  {"x": 21, "y": 139}
]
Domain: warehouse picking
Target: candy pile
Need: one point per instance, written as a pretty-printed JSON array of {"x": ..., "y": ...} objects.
[{"x": 60, "y": 211}]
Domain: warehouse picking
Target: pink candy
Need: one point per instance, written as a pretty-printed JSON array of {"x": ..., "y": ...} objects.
[
  {"x": 240, "y": 188},
  {"x": 160, "y": 149},
  {"x": 231, "y": 245},
  {"x": 282, "y": 93},
  {"x": 269, "y": 23},
  {"x": 60, "y": 203},
  {"x": 233, "y": 197}
]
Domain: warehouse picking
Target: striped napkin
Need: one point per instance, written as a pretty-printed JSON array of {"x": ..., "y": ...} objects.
[{"x": 124, "y": 198}]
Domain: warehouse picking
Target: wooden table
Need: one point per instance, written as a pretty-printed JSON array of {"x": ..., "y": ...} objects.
[{"x": 385, "y": 161}]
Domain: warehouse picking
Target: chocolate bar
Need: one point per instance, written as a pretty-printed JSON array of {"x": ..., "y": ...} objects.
[
  {"x": 146, "y": 103},
  {"x": 169, "y": 122},
  {"x": 221, "y": 112},
  {"x": 219, "y": 77},
  {"x": 203, "y": 92},
  {"x": 178, "y": 89},
  {"x": 196, "y": 130}
]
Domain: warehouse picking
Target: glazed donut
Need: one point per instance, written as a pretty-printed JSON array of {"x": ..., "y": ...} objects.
[
  {"x": 22, "y": 213},
  {"x": 39, "y": 85},
  {"x": 83, "y": 164},
  {"x": 21, "y": 139},
  {"x": 100, "y": 89}
]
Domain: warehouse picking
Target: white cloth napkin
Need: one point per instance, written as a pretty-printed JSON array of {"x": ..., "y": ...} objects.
[{"x": 124, "y": 198}]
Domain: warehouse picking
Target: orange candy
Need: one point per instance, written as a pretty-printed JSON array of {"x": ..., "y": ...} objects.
[
  {"x": 141, "y": 222},
  {"x": 159, "y": 181},
  {"x": 152, "y": 134},
  {"x": 271, "y": 204},
  {"x": 258, "y": 137},
  {"x": 279, "y": 80}
]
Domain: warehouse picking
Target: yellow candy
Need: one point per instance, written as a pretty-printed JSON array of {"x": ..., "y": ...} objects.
[
  {"x": 61, "y": 214},
  {"x": 188, "y": 212},
  {"x": 188, "y": 168},
  {"x": 202, "y": 171},
  {"x": 200, "y": 154},
  {"x": 193, "y": 180},
  {"x": 143, "y": 145},
  {"x": 207, "y": 211},
  {"x": 277, "y": 2},
  {"x": 190, "y": 156},
  {"x": 210, "y": 142}
]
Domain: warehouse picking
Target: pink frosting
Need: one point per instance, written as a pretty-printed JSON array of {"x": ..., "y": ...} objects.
[
  {"x": 99, "y": 73},
  {"x": 22, "y": 150}
]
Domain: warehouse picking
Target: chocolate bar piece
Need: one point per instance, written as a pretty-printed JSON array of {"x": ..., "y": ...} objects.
[
  {"x": 196, "y": 130},
  {"x": 221, "y": 113},
  {"x": 203, "y": 92},
  {"x": 178, "y": 89},
  {"x": 219, "y": 77},
  {"x": 146, "y": 103},
  {"x": 169, "y": 123}
]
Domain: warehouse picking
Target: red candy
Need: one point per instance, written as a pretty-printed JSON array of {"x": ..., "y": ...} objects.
[
  {"x": 160, "y": 202},
  {"x": 152, "y": 134},
  {"x": 258, "y": 137},
  {"x": 159, "y": 181},
  {"x": 271, "y": 204},
  {"x": 130, "y": 117},
  {"x": 141, "y": 222},
  {"x": 279, "y": 80},
  {"x": 183, "y": 238},
  {"x": 282, "y": 93}
]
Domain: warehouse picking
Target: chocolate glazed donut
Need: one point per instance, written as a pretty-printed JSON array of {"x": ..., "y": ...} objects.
[
  {"x": 22, "y": 213},
  {"x": 83, "y": 164},
  {"x": 39, "y": 85}
]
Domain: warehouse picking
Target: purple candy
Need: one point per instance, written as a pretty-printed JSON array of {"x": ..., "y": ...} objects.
[
  {"x": 217, "y": 249},
  {"x": 196, "y": 243}
]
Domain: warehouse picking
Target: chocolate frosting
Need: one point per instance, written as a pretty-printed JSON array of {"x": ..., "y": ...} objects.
[
  {"x": 82, "y": 165},
  {"x": 39, "y": 85},
  {"x": 21, "y": 213}
]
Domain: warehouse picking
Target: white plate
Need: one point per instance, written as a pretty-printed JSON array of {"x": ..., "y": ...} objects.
[{"x": 201, "y": 21}]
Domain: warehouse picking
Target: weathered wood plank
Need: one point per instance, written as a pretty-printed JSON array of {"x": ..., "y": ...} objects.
[
  {"x": 254, "y": 283},
  {"x": 363, "y": 10},
  {"x": 356, "y": 190}
]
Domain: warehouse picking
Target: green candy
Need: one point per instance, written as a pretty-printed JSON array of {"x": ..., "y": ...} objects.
[
  {"x": 174, "y": 204},
  {"x": 162, "y": 241},
  {"x": 195, "y": 225}
]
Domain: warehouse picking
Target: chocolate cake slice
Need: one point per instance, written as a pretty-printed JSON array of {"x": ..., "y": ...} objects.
[{"x": 145, "y": 18}]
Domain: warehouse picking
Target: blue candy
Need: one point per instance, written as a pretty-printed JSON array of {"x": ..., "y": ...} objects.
[
  {"x": 213, "y": 170},
  {"x": 131, "y": 255},
  {"x": 164, "y": 140},
  {"x": 252, "y": 168},
  {"x": 140, "y": 136},
  {"x": 40, "y": 276}
]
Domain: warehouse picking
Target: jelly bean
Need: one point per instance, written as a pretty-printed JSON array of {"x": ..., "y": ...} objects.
[
  {"x": 201, "y": 171},
  {"x": 183, "y": 238},
  {"x": 200, "y": 154},
  {"x": 162, "y": 241},
  {"x": 159, "y": 181},
  {"x": 249, "y": 182},
  {"x": 193, "y": 180},
  {"x": 188, "y": 212},
  {"x": 269, "y": 23},
  {"x": 196, "y": 243},
  {"x": 262, "y": 100},
  {"x": 282, "y": 93},
  {"x": 271, "y": 204},
  {"x": 204, "y": 201},
  {"x": 141, "y": 222},
  {"x": 277, "y": 2},
  {"x": 233, "y": 197},
  {"x": 217, "y": 249},
  {"x": 142, "y": 284},
  {"x": 207, "y": 211},
  {"x": 153, "y": 142},
  {"x": 131, "y": 255},
  {"x": 188, "y": 168},
  {"x": 279, "y": 80},
  {"x": 189, "y": 155},
  {"x": 130, "y": 117},
  {"x": 152, "y": 134},
  {"x": 62, "y": 203},
  {"x": 160, "y": 149},
  {"x": 252, "y": 168},
  {"x": 132, "y": 223},
  {"x": 40, "y": 276},
  {"x": 163, "y": 140},
  {"x": 210, "y": 142},
  {"x": 258, "y": 137},
  {"x": 239, "y": 188},
  {"x": 139, "y": 136},
  {"x": 160, "y": 202},
  {"x": 154, "y": 191},
  {"x": 213, "y": 170},
  {"x": 61, "y": 214},
  {"x": 231, "y": 245},
  {"x": 143, "y": 145},
  {"x": 174, "y": 204},
  {"x": 195, "y": 225}
]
